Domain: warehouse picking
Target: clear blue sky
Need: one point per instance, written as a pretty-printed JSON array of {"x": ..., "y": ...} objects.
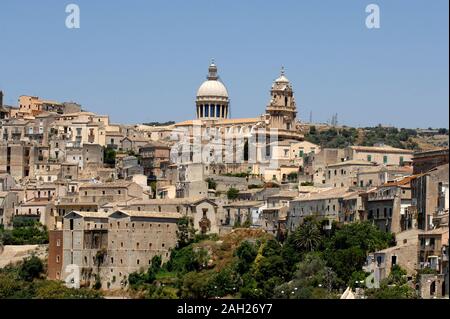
[{"x": 144, "y": 60}]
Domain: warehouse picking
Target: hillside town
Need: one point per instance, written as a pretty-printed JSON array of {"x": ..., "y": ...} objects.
[{"x": 112, "y": 199}]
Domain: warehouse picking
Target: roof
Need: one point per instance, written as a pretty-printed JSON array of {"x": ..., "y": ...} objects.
[
  {"x": 431, "y": 152},
  {"x": 172, "y": 201},
  {"x": 386, "y": 148},
  {"x": 245, "y": 203},
  {"x": 338, "y": 192},
  {"x": 114, "y": 133},
  {"x": 285, "y": 193},
  {"x": 402, "y": 182},
  {"x": 212, "y": 88},
  {"x": 149, "y": 214},
  {"x": 240, "y": 121},
  {"x": 88, "y": 214},
  {"x": 117, "y": 183}
]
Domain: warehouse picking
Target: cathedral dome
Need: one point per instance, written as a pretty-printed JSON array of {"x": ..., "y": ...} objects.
[{"x": 212, "y": 88}]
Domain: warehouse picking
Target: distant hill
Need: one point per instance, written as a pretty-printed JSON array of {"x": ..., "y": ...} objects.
[
  {"x": 339, "y": 137},
  {"x": 159, "y": 123}
]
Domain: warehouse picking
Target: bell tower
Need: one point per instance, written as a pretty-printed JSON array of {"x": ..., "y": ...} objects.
[{"x": 282, "y": 108}]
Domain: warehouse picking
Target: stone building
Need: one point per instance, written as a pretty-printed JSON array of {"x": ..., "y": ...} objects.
[
  {"x": 127, "y": 166},
  {"x": 17, "y": 159},
  {"x": 325, "y": 204},
  {"x": 403, "y": 254},
  {"x": 344, "y": 174},
  {"x": 380, "y": 174},
  {"x": 155, "y": 160},
  {"x": 427, "y": 160},
  {"x": 433, "y": 245},
  {"x": 204, "y": 212},
  {"x": 388, "y": 206},
  {"x": 382, "y": 155},
  {"x": 238, "y": 213},
  {"x": 101, "y": 193},
  {"x": 109, "y": 246},
  {"x": 315, "y": 165},
  {"x": 430, "y": 193},
  {"x": 55, "y": 255},
  {"x": 8, "y": 203}
]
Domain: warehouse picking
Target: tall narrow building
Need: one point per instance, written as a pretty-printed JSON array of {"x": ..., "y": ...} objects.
[{"x": 282, "y": 108}]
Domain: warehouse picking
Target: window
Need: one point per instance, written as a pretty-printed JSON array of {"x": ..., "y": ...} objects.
[
  {"x": 112, "y": 260},
  {"x": 385, "y": 159},
  {"x": 57, "y": 259},
  {"x": 393, "y": 260},
  {"x": 137, "y": 261},
  {"x": 401, "y": 160},
  {"x": 58, "y": 242},
  {"x": 369, "y": 158}
]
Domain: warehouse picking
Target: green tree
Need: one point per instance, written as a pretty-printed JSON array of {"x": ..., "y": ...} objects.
[
  {"x": 211, "y": 183},
  {"x": 308, "y": 237},
  {"x": 31, "y": 268},
  {"x": 232, "y": 193},
  {"x": 246, "y": 253},
  {"x": 109, "y": 156},
  {"x": 186, "y": 231}
]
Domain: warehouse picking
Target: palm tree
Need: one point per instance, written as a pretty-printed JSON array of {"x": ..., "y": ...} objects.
[{"x": 307, "y": 237}]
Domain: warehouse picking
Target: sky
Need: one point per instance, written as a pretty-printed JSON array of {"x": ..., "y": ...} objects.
[{"x": 141, "y": 61}]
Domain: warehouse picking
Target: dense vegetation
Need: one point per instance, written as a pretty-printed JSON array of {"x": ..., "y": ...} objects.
[
  {"x": 369, "y": 136},
  {"x": 26, "y": 281},
  {"x": 311, "y": 263},
  {"x": 25, "y": 232}
]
